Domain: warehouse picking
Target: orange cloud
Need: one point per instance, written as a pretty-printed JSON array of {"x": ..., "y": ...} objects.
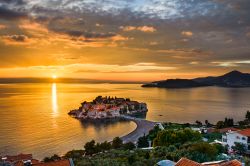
[
  {"x": 81, "y": 41},
  {"x": 187, "y": 33},
  {"x": 16, "y": 40},
  {"x": 140, "y": 28},
  {"x": 45, "y": 36},
  {"x": 153, "y": 43},
  {"x": 146, "y": 29},
  {"x": 98, "y": 25},
  {"x": 120, "y": 38},
  {"x": 32, "y": 26},
  {"x": 128, "y": 28},
  {"x": 2, "y": 26}
]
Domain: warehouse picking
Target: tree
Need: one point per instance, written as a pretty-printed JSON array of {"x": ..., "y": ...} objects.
[
  {"x": 172, "y": 137},
  {"x": 208, "y": 124},
  {"x": 198, "y": 123},
  {"x": 105, "y": 146},
  {"x": 74, "y": 154},
  {"x": 248, "y": 115},
  {"x": 186, "y": 125},
  {"x": 203, "y": 150},
  {"x": 147, "y": 155},
  {"x": 55, "y": 157},
  {"x": 220, "y": 148},
  {"x": 220, "y": 125},
  {"x": 90, "y": 148},
  {"x": 229, "y": 122},
  {"x": 116, "y": 143},
  {"x": 239, "y": 148},
  {"x": 131, "y": 159},
  {"x": 46, "y": 159},
  {"x": 129, "y": 146},
  {"x": 243, "y": 124},
  {"x": 142, "y": 142},
  {"x": 153, "y": 133},
  {"x": 98, "y": 148}
]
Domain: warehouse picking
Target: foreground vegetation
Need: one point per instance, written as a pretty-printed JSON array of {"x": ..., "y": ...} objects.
[
  {"x": 169, "y": 144},
  {"x": 172, "y": 143}
]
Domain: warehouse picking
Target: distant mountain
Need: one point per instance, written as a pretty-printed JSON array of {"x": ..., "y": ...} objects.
[
  {"x": 175, "y": 83},
  {"x": 231, "y": 79}
]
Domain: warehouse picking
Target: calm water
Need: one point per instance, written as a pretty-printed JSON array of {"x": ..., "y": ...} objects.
[{"x": 33, "y": 117}]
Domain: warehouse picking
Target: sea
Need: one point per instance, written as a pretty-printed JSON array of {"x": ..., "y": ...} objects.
[{"x": 34, "y": 119}]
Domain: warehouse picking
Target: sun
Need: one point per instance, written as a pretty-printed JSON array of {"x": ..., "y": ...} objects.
[{"x": 54, "y": 76}]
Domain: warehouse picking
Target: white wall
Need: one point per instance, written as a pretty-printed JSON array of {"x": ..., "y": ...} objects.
[{"x": 232, "y": 137}]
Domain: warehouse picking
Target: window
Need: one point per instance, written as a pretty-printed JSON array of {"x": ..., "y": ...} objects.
[
  {"x": 237, "y": 137},
  {"x": 243, "y": 138},
  {"x": 224, "y": 140}
]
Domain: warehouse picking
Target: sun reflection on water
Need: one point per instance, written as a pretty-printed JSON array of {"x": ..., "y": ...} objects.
[{"x": 54, "y": 99}]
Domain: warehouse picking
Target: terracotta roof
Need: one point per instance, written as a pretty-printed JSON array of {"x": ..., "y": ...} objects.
[
  {"x": 231, "y": 163},
  {"x": 19, "y": 157},
  {"x": 55, "y": 163},
  {"x": 35, "y": 161},
  {"x": 211, "y": 130},
  {"x": 224, "y": 130},
  {"x": 20, "y": 163},
  {"x": 187, "y": 162},
  {"x": 245, "y": 132}
]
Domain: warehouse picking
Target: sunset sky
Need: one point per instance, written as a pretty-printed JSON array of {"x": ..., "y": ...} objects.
[{"x": 128, "y": 40}]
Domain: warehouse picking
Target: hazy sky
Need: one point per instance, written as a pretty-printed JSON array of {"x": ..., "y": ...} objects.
[{"x": 123, "y": 39}]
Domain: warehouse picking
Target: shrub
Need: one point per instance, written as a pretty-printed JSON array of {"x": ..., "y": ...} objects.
[{"x": 170, "y": 137}]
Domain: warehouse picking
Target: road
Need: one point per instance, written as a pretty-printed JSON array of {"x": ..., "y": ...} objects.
[{"x": 143, "y": 127}]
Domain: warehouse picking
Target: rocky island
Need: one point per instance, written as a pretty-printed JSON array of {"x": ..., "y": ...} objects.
[{"x": 109, "y": 108}]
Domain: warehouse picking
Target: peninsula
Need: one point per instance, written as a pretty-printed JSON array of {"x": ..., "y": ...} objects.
[
  {"x": 109, "y": 108},
  {"x": 234, "y": 79}
]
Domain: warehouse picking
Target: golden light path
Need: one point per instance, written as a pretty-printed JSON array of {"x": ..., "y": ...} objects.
[{"x": 54, "y": 99}]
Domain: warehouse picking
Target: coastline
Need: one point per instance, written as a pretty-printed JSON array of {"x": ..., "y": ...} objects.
[{"x": 142, "y": 127}]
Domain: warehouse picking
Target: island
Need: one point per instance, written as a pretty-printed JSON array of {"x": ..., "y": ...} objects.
[
  {"x": 235, "y": 79},
  {"x": 109, "y": 108}
]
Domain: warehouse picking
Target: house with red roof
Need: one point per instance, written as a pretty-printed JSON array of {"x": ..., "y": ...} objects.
[
  {"x": 27, "y": 160},
  {"x": 21, "y": 156},
  {"x": 239, "y": 136},
  {"x": 65, "y": 162}
]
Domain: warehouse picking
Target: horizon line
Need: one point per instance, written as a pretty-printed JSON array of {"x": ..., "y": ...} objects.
[{"x": 6, "y": 80}]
